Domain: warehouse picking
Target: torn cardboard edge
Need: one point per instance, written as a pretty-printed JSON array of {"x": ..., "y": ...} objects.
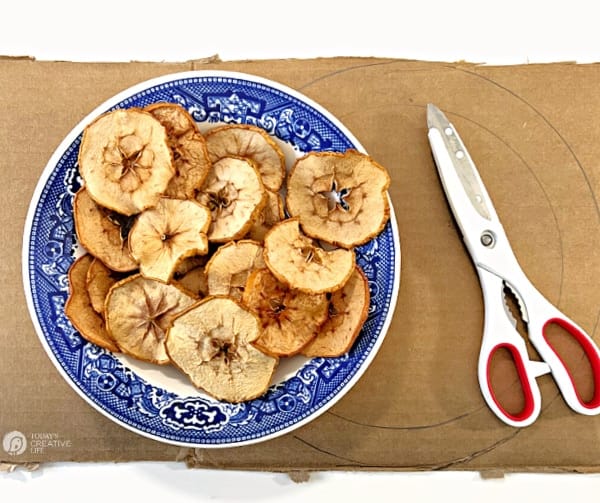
[
  {"x": 215, "y": 58},
  {"x": 199, "y": 458},
  {"x": 300, "y": 476},
  {"x": 304, "y": 475},
  {"x": 196, "y": 61},
  {"x": 212, "y": 59},
  {"x": 11, "y": 467},
  {"x": 5, "y": 57}
]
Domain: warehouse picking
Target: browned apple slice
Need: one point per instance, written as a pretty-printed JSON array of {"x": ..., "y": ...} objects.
[
  {"x": 272, "y": 213},
  {"x": 190, "y": 276},
  {"x": 103, "y": 232},
  {"x": 348, "y": 310},
  {"x": 339, "y": 198},
  {"x": 99, "y": 280},
  {"x": 290, "y": 319},
  {"x": 188, "y": 146},
  {"x": 79, "y": 310}
]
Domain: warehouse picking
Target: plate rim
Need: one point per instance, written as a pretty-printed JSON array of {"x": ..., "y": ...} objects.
[{"x": 49, "y": 168}]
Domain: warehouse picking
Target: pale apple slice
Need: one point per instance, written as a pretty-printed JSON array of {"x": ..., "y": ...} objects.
[
  {"x": 250, "y": 142},
  {"x": 229, "y": 267},
  {"x": 125, "y": 161},
  {"x": 211, "y": 343},
  {"x": 164, "y": 235},
  {"x": 301, "y": 263},
  {"x": 235, "y": 196},
  {"x": 139, "y": 311}
]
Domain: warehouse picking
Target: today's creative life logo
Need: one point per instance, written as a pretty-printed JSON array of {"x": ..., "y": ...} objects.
[{"x": 14, "y": 443}]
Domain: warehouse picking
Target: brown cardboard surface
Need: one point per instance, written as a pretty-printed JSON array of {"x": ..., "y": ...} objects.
[{"x": 533, "y": 132}]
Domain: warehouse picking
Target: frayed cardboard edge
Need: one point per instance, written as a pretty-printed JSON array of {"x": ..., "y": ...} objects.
[
  {"x": 11, "y": 467},
  {"x": 16, "y": 58},
  {"x": 299, "y": 477},
  {"x": 198, "y": 458},
  {"x": 215, "y": 59},
  {"x": 201, "y": 458},
  {"x": 212, "y": 59}
]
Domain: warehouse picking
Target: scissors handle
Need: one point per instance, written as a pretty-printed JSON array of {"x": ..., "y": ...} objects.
[
  {"x": 527, "y": 371},
  {"x": 501, "y": 335},
  {"x": 564, "y": 372}
]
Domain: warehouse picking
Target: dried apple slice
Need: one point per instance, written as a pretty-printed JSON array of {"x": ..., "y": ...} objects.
[
  {"x": 138, "y": 312},
  {"x": 348, "y": 310},
  {"x": 212, "y": 343},
  {"x": 290, "y": 319},
  {"x": 125, "y": 160},
  {"x": 99, "y": 280},
  {"x": 103, "y": 232},
  {"x": 339, "y": 198},
  {"x": 190, "y": 276},
  {"x": 174, "y": 118},
  {"x": 188, "y": 146},
  {"x": 300, "y": 263},
  {"x": 164, "y": 235},
  {"x": 250, "y": 142},
  {"x": 235, "y": 196},
  {"x": 229, "y": 267},
  {"x": 79, "y": 310},
  {"x": 271, "y": 214}
]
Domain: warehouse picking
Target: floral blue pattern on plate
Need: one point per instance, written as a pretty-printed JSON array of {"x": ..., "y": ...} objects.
[{"x": 143, "y": 402}]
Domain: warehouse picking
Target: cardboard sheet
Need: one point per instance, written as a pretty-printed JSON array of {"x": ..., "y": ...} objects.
[{"x": 532, "y": 130}]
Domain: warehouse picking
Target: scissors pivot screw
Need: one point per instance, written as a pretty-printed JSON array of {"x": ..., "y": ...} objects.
[{"x": 487, "y": 239}]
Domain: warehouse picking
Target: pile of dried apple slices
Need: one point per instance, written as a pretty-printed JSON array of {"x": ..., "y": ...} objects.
[{"x": 193, "y": 257}]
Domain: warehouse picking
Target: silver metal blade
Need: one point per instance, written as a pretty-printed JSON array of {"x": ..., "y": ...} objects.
[{"x": 462, "y": 162}]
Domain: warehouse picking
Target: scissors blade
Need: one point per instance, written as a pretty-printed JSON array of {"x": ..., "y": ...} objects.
[{"x": 456, "y": 162}]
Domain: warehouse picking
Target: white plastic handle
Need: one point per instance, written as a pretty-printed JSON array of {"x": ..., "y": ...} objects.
[
  {"x": 500, "y": 334},
  {"x": 543, "y": 314}
]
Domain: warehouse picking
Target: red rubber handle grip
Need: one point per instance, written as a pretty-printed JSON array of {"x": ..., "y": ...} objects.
[{"x": 524, "y": 378}]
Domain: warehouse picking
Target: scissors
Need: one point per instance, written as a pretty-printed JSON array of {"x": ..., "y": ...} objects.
[{"x": 497, "y": 268}]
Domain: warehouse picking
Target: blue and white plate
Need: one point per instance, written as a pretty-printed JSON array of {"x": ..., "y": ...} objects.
[{"x": 159, "y": 402}]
